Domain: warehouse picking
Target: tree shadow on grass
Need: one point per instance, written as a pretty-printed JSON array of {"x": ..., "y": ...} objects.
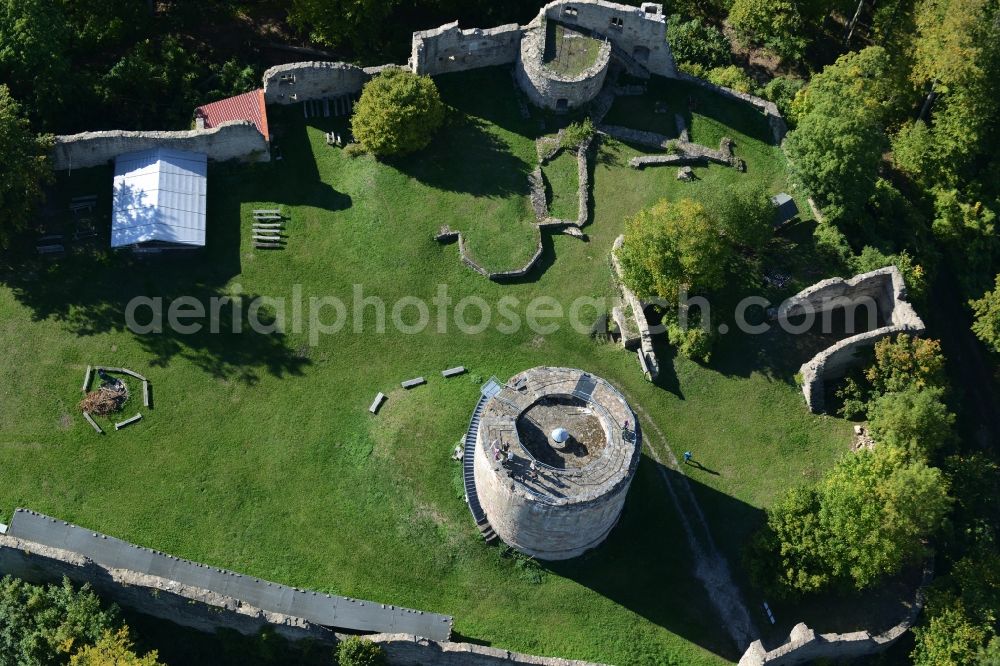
[
  {"x": 647, "y": 566},
  {"x": 467, "y": 157}
]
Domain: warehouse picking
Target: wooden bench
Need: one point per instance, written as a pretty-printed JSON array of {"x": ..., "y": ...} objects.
[
  {"x": 268, "y": 246},
  {"x": 269, "y": 216},
  {"x": 376, "y": 403},
  {"x": 86, "y": 379},
  {"x": 93, "y": 423},
  {"x": 452, "y": 372},
  {"x": 146, "y": 399},
  {"x": 128, "y": 422},
  {"x": 266, "y": 238},
  {"x": 51, "y": 249},
  {"x": 268, "y": 225},
  {"x": 410, "y": 383}
]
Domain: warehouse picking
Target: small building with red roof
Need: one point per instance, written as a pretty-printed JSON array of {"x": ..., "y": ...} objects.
[{"x": 248, "y": 106}]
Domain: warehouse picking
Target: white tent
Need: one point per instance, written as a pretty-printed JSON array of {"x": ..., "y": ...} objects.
[{"x": 159, "y": 199}]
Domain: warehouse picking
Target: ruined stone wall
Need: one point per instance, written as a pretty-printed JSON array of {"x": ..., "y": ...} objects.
[
  {"x": 409, "y": 650},
  {"x": 647, "y": 354},
  {"x": 451, "y": 49},
  {"x": 805, "y": 646},
  {"x": 888, "y": 290},
  {"x": 168, "y": 600},
  {"x": 301, "y": 81},
  {"x": 236, "y": 140},
  {"x": 774, "y": 119},
  {"x": 639, "y": 32},
  {"x": 549, "y": 90}
]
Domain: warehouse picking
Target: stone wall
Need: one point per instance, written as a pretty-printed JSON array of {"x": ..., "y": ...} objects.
[
  {"x": 301, "y": 81},
  {"x": 774, "y": 119},
  {"x": 409, "y": 650},
  {"x": 805, "y": 646},
  {"x": 451, "y": 49},
  {"x": 549, "y": 90},
  {"x": 236, "y": 140},
  {"x": 647, "y": 355},
  {"x": 168, "y": 600},
  {"x": 639, "y": 32},
  {"x": 886, "y": 288}
]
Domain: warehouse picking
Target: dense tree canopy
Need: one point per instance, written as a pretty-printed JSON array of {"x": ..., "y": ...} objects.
[
  {"x": 866, "y": 520},
  {"x": 906, "y": 362},
  {"x": 45, "y": 625},
  {"x": 836, "y": 149},
  {"x": 695, "y": 41},
  {"x": 987, "y": 313},
  {"x": 914, "y": 419},
  {"x": 24, "y": 165},
  {"x": 398, "y": 113},
  {"x": 113, "y": 649}
]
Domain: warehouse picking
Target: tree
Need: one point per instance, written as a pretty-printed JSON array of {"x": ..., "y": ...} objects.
[
  {"x": 877, "y": 509},
  {"x": 697, "y": 42},
  {"x": 837, "y": 146},
  {"x": 865, "y": 520},
  {"x": 398, "y": 113},
  {"x": 673, "y": 246},
  {"x": 25, "y": 167},
  {"x": 989, "y": 655},
  {"x": 42, "y": 625},
  {"x": 956, "y": 59},
  {"x": 355, "y": 23},
  {"x": 154, "y": 81},
  {"x": 915, "y": 419},
  {"x": 34, "y": 35},
  {"x": 747, "y": 216},
  {"x": 987, "y": 313},
  {"x": 949, "y": 638},
  {"x": 357, "y": 651},
  {"x": 906, "y": 362},
  {"x": 776, "y": 25},
  {"x": 787, "y": 557},
  {"x": 113, "y": 649}
]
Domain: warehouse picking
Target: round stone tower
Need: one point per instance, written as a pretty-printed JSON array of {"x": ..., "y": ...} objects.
[
  {"x": 551, "y": 87},
  {"x": 547, "y": 498}
]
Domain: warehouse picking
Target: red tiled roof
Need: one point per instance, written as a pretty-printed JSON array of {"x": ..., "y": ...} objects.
[{"x": 248, "y": 106}]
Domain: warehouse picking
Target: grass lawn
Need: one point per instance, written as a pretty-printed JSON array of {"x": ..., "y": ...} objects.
[
  {"x": 562, "y": 183},
  {"x": 568, "y": 52},
  {"x": 260, "y": 455}
]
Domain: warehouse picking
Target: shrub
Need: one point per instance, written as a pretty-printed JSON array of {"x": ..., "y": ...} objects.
[
  {"x": 695, "y": 42},
  {"x": 777, "y": 25},
  {"x": 731, "y": 77},
  {"x": 577, "y": 133},
  {"x": 872, "y": 259},
  {"x": 356, "y": 651},
  {"x": 398, "y": 113},
  {"x": 949, "y": 638},
  {"x": 832, "y": 243},
  {"x": 781, "y": 90},
  {"x": 694, "y": 342}
]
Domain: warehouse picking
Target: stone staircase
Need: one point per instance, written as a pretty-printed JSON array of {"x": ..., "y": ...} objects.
[{"x": 468, "y": 471}]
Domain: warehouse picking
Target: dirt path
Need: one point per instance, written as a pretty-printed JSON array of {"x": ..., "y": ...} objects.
[{"x": 711, "y": 567}]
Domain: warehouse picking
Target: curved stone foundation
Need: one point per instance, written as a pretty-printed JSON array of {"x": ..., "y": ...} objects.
[
  {"x": 550, "y": 90},
  {"x": 577, "y": 495}
]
